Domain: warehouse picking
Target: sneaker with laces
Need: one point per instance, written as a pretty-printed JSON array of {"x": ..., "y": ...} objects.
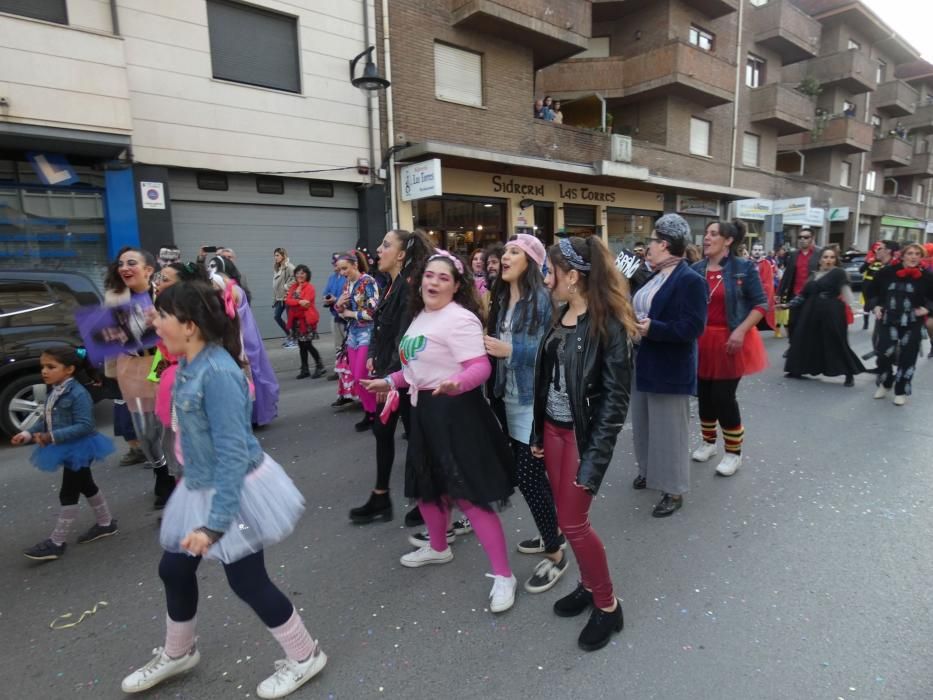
[
  {"x": 704, "y": 452},
  {"x": 729, "y": 465},
  {"x": 880, "y": 392},
  {"x": 425, "y": 555},
  {"x": 159, "y": 669},
  {"x": 900, "y": 399},
  {"x": 98, "y": 531},
  {"x": 546, "y": 574},
  {"x": 46, "y": 550},
  {"x": 502, "y": 595},
  {"x": 290, "y": 675},
  {"x": 536, "y": 545},
  {"x": 422, "y": 539},
  {"x": 133, "y": 456},
  {"x": 463, "y": 526}
]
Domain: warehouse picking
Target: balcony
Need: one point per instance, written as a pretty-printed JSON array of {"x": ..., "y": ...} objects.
[
  {"x": 895, "y": 98},
  {"x": 783, "y": 108},
  {"x": 847, "y": 135},
  {"x": 714, "y": 8},
  {"x": 553, "y": 31},
  {"x": 850, "y": 70},
  {"x": 920, "y": 121},
  {"x": 788, "y": 31},
  {"x": 921, "y": 165},
  {"x": 892, "y": 152}
]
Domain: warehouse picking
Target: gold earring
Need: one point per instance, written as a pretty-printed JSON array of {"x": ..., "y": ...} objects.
[{"x": 572, "y": 289}]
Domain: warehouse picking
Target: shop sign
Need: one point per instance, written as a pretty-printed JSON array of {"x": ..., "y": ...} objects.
[
  {"x": 901, "y": 222},
  {"x": 587, "y": 194},
  {"x": 929, "y": 227},
  {"x": 572, "y": 193},
  {"x": 753, "y": 209},
  {"x": 797, "y": 208},
  {"x": 420, "y": 180},
  {"x": 697, "y": 205},
  {"x": 52, "y": 168},
  {"x": 153, "y": 195},
  {"x": 510, "y": 186},
  {"x": 839, "y": 214},
  {"x": 813, "y": 216}
]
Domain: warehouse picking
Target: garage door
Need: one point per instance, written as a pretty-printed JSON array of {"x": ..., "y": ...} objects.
[{"x": 309, "y": 234}]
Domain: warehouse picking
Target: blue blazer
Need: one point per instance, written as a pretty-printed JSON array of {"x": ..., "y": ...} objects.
[{"x": 666, "y": 360}]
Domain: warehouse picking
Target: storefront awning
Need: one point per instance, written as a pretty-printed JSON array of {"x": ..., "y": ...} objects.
[{"x": 76, "y": 142}]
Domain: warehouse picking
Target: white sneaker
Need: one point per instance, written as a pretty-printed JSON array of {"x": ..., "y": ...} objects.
[
  {"x": 900, "y": 399},
  {"x": 880, "y": 392},
  {"x": 502, "y": 595},
  {"x": 426, "y": 555},
  {"x": 160, "y": 668},
  {"x": 729, "y": 464},
  {"x": 463, "y": 526},
  {"x": 704, "y": 452},
  {"x": 290, "y": 675}
]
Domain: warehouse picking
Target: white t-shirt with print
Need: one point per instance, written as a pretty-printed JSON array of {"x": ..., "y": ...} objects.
[{"x": 437, "y": 343}]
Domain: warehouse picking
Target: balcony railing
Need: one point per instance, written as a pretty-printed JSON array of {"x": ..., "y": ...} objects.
[
  {"x": 790, "y": 32},
  {"x": 850, "y": 70},
  {"x": 892, "y": 152},
  {"x": 848, "y": 135},
  {"x": 920, "y": 165},
  {"x": 553, "y": 31},
  {"x": 921, "y": 120},
  {"x": 895, "y": 98},
  {"x": 783, "y": 108}
]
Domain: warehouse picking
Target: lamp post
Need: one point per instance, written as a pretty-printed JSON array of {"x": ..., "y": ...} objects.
[{"x": 370, "y": 80}]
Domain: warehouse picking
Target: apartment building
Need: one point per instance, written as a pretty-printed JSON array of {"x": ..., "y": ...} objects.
[
  {"x": 706, "y": 107},
  {"x": 202, "y": 121}
]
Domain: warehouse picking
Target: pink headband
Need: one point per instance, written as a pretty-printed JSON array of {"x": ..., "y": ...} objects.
[
  {"x": 531, "y": 246},
  {"x": 447, "y": 255}
]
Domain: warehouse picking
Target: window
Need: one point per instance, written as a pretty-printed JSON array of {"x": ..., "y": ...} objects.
[
  {"x": 580, "y": 220},
  {"x": 881, "y": 73},
  {"x": 267, "y": 184},
  {"x": 848, "y": 108},
  {"x": 321, "y": 189},
  {"x": 876, "y": 125},
  {"x": 854, "y": 45},
  {"x": 699, "y": 136},
  {"x": 754, "y": 71},
  {"x": 701, "y": 38},
  {"x": 458, "y": 75},
  {"x": 599, "y": 48},
  {"x": 212, "y": 181},
  {"x": 919, "y": 194},
  {"x": 750, "y": 148},
  {"x": 759, "y": 3},
  {"x": 49, "y": 10},
  {"x": 845, "y": 173},
  {"x": 871, "y": 180},
  {"x": 253, "y": 46}
]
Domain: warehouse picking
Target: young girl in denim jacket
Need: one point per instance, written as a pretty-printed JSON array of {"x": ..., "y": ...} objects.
[
  {"x": 66, "y": 438},
  {"x": 233, "y": 500}
]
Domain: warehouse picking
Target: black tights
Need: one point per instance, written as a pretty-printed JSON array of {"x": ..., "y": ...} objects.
[
  {"x": 75, "y": 484},
  {"x": 385, "y": 439},
  {"x": 247, "y": 578},
  {"x": 305, "y": 347},
  {"x": 536, "y": 490},
  {"x": 718, "y": 403}
]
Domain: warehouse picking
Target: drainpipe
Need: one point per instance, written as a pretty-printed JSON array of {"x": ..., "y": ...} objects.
[
  {"x": 738, "y": 87},
  {"x": 602, "y": 123},
  {"x": 390, "y": 119},
  {"x": 114, "y": 19},
  {"x": 861, "y": 181},
  {"x": 369, "y": 102}
]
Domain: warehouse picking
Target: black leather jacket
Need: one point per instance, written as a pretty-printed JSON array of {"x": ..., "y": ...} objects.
[
  {"x": 599, "y": 379},
  {"x": 390, "y": 322}
]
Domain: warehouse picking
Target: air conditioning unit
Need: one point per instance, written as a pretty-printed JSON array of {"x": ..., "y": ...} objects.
[{"x": 621, "y": 148}]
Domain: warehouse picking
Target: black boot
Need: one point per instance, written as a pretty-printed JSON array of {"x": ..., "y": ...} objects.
[
  {"x": 575, "y": 603},
  {"x": 304, "y": 373},
  {"x": 378, "y": 507},
  {"x": 599, "y": 629},
  {"x": 366, "y": 423},
  {"x": 413, "y": 517},
  {"x": 164, "y": 485},
  {"x": 319, "y": 372}
]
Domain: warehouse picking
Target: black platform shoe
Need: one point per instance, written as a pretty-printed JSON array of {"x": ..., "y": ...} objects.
[
  {"x": 599, "y": 629},
  {"x": 303, "y": 374},
  {"x": 366, "y": 423},
  {"x": 378, "y": 507},
  {"x": 413, "y": 518},
  {"x": 640, "y": 483},
  {"x": 575, "y": 603},
  {"x": 667, "y": 505}
]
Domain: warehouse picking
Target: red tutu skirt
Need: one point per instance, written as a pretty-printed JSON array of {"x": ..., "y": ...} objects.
[{"x": 716, "y": 363}]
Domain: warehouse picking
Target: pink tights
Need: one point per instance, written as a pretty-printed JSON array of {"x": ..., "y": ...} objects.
[{"x": 486, "y": 525}]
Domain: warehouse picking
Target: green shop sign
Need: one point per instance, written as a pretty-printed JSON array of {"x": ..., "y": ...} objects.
[{"x": 900, "y": 222}]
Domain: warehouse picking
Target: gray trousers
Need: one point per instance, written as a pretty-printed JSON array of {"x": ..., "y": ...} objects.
[
  {"x": 661, "y": 427},
  {"x": 339, "y": 333}
]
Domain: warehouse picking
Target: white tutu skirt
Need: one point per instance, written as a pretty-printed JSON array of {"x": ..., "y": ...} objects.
[{"x": 270, "y": 506}]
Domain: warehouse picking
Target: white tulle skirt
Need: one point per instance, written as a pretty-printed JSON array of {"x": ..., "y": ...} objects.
[{"x": 270, "y": 507}]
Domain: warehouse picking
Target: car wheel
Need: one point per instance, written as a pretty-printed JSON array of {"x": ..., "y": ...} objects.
[{"x": 21, "y": 403}]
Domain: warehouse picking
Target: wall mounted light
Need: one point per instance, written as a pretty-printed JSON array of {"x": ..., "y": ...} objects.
[{"x": 370, "y": 80}]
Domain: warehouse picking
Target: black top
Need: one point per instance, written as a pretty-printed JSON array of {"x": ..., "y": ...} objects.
[
  {"x": 898, "y": 293},
  {"x": 390, "y": 321}
]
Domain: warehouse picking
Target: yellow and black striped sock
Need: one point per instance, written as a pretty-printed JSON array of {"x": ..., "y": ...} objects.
[
  {"x": 733, "y": 438},
  {"x": 708, "y": 430}
]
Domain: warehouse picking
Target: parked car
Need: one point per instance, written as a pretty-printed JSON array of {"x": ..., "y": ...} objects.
[
  {"x": 36, "y": 312},
  {"x": 852, "y": 264}
]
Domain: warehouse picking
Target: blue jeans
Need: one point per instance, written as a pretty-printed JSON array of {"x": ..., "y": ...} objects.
[{"x": 277, "y": 310}]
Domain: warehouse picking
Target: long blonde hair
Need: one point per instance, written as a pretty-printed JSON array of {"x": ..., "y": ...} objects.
[{"x": 284, "y": 254}]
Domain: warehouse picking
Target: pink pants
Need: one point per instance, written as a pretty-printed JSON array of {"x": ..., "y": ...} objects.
[
  {"x": 486, "y": 525},
  {"x": 562, "y": 461},
  {"x": 357, "y": 359}
]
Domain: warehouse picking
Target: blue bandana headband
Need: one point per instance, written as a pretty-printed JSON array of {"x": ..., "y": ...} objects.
[{"x": 571, "y": 256}]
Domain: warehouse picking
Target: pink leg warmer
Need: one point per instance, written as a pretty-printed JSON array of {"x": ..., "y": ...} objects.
[{"x": 295, "y": 640}]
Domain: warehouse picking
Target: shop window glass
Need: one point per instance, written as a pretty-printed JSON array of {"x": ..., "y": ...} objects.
[{"x": 579, "y": 219}]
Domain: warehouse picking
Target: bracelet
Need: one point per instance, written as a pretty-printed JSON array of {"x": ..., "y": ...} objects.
[{"x": 388, "y": 380}]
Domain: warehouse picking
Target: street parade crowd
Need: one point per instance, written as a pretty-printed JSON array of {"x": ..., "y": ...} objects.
[{"x": 515, "y": 368}]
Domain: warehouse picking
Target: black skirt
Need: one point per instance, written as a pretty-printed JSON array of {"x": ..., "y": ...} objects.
[
  {"x": 820, "y": 344},
  {"x": 457, "y": 449}
]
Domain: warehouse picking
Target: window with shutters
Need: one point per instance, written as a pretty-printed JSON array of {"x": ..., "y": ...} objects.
[
  {"x": 49, "y": 10},
  {"x": 699, "y": 137},
  {"x": 458, "y": 75},
  {"x": 750, "y": 149},
  {"x": 253, "y": 46}
]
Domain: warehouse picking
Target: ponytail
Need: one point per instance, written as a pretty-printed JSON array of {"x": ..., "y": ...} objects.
[
  {"x": 202, "y": 304},
  {"x": 736, "y": 230}
]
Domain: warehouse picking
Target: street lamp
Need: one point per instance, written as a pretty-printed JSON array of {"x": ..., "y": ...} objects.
[{"x": 370, "y": 80}]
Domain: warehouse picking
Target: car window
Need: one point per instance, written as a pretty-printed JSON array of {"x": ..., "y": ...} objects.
[{"x": 27, "y": 304}]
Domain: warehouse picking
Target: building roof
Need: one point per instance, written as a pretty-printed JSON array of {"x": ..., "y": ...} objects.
[{"x": 918, "y": 70}]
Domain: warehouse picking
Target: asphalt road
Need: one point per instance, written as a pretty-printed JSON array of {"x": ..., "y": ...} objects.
[{"x": 807, "y": 575}]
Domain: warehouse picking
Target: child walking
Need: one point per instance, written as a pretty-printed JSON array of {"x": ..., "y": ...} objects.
[
  {"x": 231, "y": 503},
  {"x": 66, "y": 438}
]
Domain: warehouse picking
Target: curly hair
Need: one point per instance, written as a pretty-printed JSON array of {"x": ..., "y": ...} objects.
[{"x": 465, "y": 295}]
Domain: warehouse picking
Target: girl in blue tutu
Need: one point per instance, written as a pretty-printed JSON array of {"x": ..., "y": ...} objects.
[
  {"x": 66, "y": 438},
  {"x": 233, "y": 500}
]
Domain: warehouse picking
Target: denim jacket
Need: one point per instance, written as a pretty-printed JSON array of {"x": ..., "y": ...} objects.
[
  {"x": 214, "y": 410},
  {"x": 524, "y": 348},
  {"x": 744, "y": 292},
  {"x": 72, "y": 415}
]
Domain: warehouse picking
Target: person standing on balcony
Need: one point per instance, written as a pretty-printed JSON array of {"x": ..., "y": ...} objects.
[{"x": 558, "y": 115}]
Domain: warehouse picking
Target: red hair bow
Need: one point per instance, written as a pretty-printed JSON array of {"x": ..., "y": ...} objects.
[{"x": 912, "y": 272}]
